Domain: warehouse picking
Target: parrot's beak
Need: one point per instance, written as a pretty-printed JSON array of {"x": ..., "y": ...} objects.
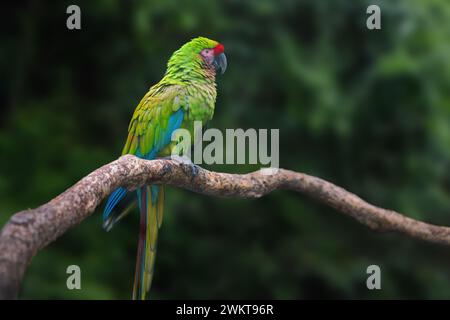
[{"x": 220, "y": 63}]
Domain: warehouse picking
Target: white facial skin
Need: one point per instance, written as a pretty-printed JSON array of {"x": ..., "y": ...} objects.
[{"x": 208, "y": 55}]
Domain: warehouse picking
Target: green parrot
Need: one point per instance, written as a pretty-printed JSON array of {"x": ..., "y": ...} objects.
[{"x": 186, "y": 93}]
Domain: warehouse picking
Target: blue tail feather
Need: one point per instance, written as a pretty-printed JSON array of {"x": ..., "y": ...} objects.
[{"x": 113, "y": 199}]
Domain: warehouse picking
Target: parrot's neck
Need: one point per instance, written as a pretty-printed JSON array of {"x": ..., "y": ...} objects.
[{"x": 190, "y": 71}]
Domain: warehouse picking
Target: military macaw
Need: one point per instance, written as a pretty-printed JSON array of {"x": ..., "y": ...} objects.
[{"x": 186, "y": 93}]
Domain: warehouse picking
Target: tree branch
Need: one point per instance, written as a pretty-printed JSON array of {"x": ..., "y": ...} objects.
[{"x": 29, "y": 231}]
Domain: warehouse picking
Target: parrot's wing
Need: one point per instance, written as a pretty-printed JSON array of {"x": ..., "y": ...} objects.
[{"x": 156, "y": 117}]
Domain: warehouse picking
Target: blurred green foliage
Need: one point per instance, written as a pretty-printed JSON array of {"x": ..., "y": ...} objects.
[{"x": 367, "y": 110}]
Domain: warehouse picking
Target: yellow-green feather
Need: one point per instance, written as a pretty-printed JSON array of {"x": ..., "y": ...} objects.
[{"x": 189, "y": 84}]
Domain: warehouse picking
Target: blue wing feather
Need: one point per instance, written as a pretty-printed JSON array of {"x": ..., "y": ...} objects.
[{"x": 117, "y": 195}]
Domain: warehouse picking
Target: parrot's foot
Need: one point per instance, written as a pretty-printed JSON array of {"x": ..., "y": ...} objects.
[
  {"x": 181, "y": 159},
  {"x": 187, "y": 162}
]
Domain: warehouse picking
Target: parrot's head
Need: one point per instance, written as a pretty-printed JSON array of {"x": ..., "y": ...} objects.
[
  {"x": 199, "y": 54},
  {"x": 212, "y": 53}
]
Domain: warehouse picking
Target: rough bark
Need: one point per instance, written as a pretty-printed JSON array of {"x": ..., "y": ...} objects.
[{"x": 29, "y": 231}]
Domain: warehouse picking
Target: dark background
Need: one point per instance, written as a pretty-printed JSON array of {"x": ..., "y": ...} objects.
[{"x": 367, "y": 110}]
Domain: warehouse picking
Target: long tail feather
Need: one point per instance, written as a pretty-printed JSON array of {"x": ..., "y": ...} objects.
[
  {"x": 151, "y": 199},
  {"x": 142, "y": 201},
  {"x": 160, "y": 205}
]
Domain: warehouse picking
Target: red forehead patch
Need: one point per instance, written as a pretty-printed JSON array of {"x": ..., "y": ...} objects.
[{"x": 219, "y": 49}]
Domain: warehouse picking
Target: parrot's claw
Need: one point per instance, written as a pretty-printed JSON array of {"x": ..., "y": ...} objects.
[
  {"x": 194, "y": 170},
  {"x": 185, "y": 161},
  {"x": 181, "y": 159},
  {"x": 188, "y": 163}
]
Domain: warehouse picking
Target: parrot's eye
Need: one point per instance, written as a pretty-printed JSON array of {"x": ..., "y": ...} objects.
[
  {"x": 208, "y": 55},
  {"x": 207, "y": 52}
]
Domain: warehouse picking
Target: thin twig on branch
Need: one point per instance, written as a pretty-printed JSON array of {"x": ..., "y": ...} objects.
[{"x": 29, "y": 231}]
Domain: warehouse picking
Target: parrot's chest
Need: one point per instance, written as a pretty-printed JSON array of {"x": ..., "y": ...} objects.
[
  {"x": 198, "y": 105},
  {"x": 200, "y": 102}
]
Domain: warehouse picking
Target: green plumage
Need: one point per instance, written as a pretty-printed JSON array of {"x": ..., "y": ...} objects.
[{"x": 188, "y": 85}]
